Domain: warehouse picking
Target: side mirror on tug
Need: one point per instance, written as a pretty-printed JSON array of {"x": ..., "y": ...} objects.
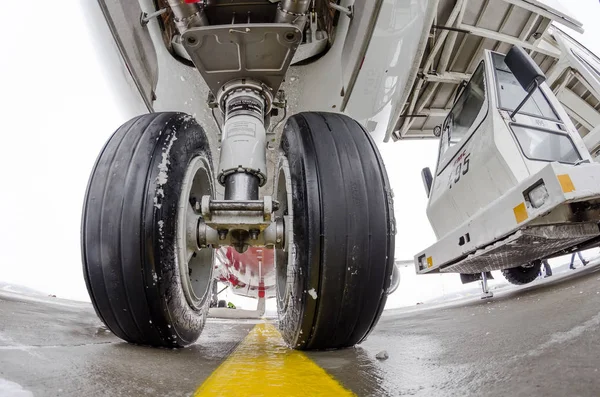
[
  {"x": 427, "y": 179},
  {"x": 526, "y": 71}
]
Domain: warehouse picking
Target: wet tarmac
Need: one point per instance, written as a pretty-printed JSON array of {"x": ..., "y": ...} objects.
[
  {"x": 61, "y": 348},
  {"x": 540, "y": 339}
]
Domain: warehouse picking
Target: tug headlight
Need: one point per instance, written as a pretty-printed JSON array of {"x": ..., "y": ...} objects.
[{"x": 538, "y": 195}]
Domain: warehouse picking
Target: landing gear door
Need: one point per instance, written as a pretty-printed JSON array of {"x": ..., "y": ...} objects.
[
  {"x": 359, "y": 34},
  {"x": 134, "y": 43}
]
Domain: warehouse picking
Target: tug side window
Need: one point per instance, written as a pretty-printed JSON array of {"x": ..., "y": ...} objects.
[{"x": 465, "y": 111}]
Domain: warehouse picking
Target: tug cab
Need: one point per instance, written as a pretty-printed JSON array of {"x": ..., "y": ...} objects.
[{"x": 515, "y": 183}]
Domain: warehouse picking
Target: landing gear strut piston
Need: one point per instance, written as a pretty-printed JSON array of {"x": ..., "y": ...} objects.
[{"x": 243, "y": 163}]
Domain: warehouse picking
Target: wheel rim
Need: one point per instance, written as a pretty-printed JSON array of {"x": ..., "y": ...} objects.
[
  {"x": 527, "y": 266},
  {"x": 195, "y": 264},
  {"x": 284, "y": 256}
]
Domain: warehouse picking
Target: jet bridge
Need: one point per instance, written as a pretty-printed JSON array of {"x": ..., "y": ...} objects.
[
  {"x": 576, "y": 83},
  {"x": 459, "y": 34}
]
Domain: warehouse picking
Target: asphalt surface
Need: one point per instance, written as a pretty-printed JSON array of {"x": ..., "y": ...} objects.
[
  {"x": 540, "y": 339},
  {"x": 60, "y": 348}
]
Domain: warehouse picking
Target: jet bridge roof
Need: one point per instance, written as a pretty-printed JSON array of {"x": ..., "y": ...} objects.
[
  {"x": 461, "y": 31},
  {"x": 576, "y": 82}
]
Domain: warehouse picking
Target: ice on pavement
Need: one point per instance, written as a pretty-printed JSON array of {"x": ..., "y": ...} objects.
[
  {"x": 437, "y": 288},
  {"x": 31, "y": 295},
  {"x": 12, "y": 389}
]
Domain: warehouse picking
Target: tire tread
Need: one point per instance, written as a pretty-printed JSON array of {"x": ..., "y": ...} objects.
[{"x": 355, "y": 230}]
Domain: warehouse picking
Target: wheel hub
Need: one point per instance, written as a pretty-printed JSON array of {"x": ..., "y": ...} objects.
[
  {"x": 284, "y": 254},
  {"x": 195, "y": 263}
]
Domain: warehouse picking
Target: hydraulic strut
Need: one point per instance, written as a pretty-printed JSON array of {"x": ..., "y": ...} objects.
[
  {"x": 241, "y": 219},
  {"x": 243, "y": 162},
  {"x": 292, "y": 11},
  {"x": 187, "y": 15}
]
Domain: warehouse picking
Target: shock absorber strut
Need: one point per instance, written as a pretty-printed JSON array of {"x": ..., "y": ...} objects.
[
  {"x": 292, "y": 11},
  {"x": 242, "y": 167},
  {"x": 241, "y": 220},
  {"x": 188, "y": 15}
]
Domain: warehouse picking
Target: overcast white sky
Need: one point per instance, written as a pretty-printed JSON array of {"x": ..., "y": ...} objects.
[{"x": 58, "y": 106}]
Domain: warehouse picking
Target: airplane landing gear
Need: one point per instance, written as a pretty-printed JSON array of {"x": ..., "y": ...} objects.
[
  {"x": 151, "y": 220},
  {"x": 150, "y": 227}
]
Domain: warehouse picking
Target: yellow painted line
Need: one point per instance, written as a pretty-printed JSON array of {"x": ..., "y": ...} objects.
[
  {"x": 520, "y": 212},
  {"x": 263, "y": 365},
  {"x": 566, "y": 183}
]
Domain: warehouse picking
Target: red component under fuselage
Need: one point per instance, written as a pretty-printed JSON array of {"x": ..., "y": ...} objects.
[{"x": 249, "y": 274}]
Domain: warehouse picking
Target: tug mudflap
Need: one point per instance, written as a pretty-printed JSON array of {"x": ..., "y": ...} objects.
[{"x": 524, "y": 246}]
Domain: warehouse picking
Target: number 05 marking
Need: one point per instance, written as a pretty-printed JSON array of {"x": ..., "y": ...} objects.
[{"x": 461, "y": 169}]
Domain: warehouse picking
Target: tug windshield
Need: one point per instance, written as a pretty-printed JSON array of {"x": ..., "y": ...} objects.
[
  {"x": 510, "y": 93},
  {"x": 544, "y": 145}
]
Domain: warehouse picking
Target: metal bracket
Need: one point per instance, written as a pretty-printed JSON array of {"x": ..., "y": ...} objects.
[
  {"x": 279, "y": 102},
  {"x": 145, "y": 17},
  {"x": 348, "y": 11},
  {"x": 223, "y": 53},
  {"x": 240, "y": 224},
  {"x": 316, "y": 41},
  {"x": 211, "y": 101},
  {"x": 212, "y": 104},
  {"x": 214, "y": 209}
]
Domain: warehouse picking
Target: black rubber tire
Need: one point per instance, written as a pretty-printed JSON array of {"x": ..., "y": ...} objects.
[
  {"x": 129, "y": 230},
  {"x": 222, "y": 303},
  {"x": 522, "y": 275},
  {"x": 344, "y": 233}
]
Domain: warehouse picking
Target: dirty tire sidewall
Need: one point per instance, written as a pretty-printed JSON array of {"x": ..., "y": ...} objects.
[
  {"x": 129, "y": 230},
  {"x": 342, "y": 257}
]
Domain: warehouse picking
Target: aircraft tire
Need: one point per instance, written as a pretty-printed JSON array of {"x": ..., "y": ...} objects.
[
  {"x": 521, "y": 275},
  {"x": 335, "y": 271},
  {"x": 133, "y": 234}
]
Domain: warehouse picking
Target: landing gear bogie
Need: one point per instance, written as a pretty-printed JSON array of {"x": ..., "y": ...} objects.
[{"x": 151, "y": 225}]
